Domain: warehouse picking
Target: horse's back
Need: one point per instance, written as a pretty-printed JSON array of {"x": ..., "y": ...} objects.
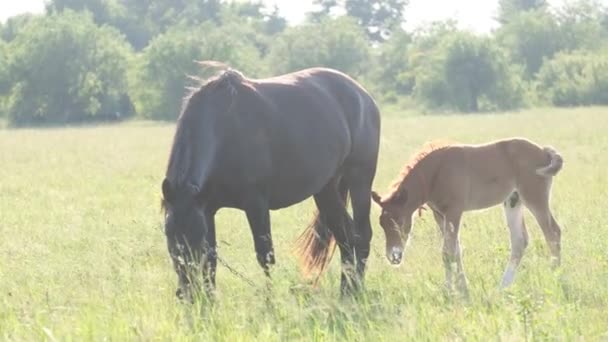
[
  {"x": 302, "y": 128},
  {"x": 332, "y": 99}
]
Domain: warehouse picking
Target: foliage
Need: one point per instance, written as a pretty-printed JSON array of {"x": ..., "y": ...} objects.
[
  {"x": 379, "y": 18},
  {"x": 141, "y": 20},
  {"x": 4, "y": 79},
  {"x": 463, "y": 70},
  {"x": 509, "y": 9},
  {"x": 436, "y": 65},
  {"x": 392, "y": 72},
  {"x": 531, "y": 37},
  {"x": 266, "y": 18},
  {"x": 13, "y": 26},
  {"x": 335, "y": 43},
  {"x": 575, "y": 79},
  {"x": 535, "y": 35},
  {"x": 63, "y": 68},
  {"x": 582, "y": 24},
  {"x": 163, "y": 68}
]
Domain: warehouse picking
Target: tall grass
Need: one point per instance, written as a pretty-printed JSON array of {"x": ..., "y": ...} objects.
[{"x": 83, "y": 256}]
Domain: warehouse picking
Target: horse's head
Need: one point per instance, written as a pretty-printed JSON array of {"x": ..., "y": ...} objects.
[
  {"x": 185, "y": 229},
  {"x": 396, "y": 221}
]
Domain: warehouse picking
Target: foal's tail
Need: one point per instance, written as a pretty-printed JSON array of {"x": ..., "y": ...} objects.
[{"x": 555, "y": 165}]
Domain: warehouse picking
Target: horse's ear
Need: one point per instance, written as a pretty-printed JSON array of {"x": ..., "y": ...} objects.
[
  {"x": 168, "y": 193},
  {"x": 377, "y": 198}
]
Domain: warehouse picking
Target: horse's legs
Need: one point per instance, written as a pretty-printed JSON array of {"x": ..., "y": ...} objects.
[
  {"x": 536, "y": 198},
  {"x": 452, "y": 252},
  {"x": 258, "y": 216},
  {"x": 210, "y": 263},
  {"x": 332, "y": 212},
  {"x": 359, "y": 181},
  {"x": 519, "y": 235}
]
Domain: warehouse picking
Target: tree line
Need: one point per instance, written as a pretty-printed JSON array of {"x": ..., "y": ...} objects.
[{"x": 95, "y": 60}]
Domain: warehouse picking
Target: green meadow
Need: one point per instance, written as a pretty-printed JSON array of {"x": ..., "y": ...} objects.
[{"x": 83, "y": 255}]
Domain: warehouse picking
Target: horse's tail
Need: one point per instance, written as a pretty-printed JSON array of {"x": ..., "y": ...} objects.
[
  {"x": 316, "y": 245},
  {"x": 555, "y": 165}
]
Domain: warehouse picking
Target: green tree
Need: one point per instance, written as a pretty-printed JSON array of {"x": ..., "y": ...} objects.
[
  {"x": 392, "y": 72},
  {"x": 531, "y": 37},
  {"x": 379, "y": 18},
  {"x": 100, "y": 9},
  {"x": 141, "y": 20},
  {"x": 64, "y": 68},
  {"x": 582, "y": 24},
  {"x": 13, "y": 25},
  {"x": 160, "y": 82},
  {"x": 273, "y": 21},
  {"x": 335, "y": 43},
  {"x": 508, "y": 9},
  {"x": 468, "y": 71}
]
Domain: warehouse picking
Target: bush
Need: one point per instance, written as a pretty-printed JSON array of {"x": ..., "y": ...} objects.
[
  {"x": 159, "y": 84},
  {"x": 575, "y": 79},
  {"x": 63, "y": 68},
  {"x": 468, "y": 73}
]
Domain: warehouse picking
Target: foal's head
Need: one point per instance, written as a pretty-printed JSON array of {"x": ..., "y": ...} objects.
[
  {"x": 185, "y": 229},
  {"x": 396, "y": 221}
]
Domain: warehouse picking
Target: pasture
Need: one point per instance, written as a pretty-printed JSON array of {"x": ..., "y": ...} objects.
[{"x": 83, "y": 255}]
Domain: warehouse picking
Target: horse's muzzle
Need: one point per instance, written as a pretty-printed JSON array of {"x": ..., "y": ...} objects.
[{"x": 395, "y": 256}]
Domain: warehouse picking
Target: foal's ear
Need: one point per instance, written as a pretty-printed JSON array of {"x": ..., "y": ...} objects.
[
  {"x": 377, "y": 198},
  {"x": 168, "y": 193}
]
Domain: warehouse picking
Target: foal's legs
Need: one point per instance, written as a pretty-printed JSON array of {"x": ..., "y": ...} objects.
[
  {"x": 536, "y": 198},
  {"x": 258, "y": 216},
  {"x": 551, "y": 231},
  {"x": 332, "y": 212},
  {"x": 519, "y": 235},
  {"x": 452, "y": 252}
]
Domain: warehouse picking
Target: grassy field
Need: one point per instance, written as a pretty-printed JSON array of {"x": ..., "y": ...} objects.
[{"x": 83, "y": 256}]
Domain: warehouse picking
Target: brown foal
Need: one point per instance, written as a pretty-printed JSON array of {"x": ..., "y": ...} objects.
[{"x": 452, "y": 179}]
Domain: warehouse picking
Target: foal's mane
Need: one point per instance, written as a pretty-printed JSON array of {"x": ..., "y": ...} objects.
[{"x": 427, "y": 149}]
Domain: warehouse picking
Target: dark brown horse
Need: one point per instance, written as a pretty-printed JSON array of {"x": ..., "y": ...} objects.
[{"x": 260, "y": 145}]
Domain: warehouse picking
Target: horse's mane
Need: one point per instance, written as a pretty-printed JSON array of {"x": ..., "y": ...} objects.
[
  {"x": 227, "y": 79},
  {"x": 426, "y": 150}
]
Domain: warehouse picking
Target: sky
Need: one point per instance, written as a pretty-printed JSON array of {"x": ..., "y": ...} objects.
[{"x": 476, "y": 15}]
